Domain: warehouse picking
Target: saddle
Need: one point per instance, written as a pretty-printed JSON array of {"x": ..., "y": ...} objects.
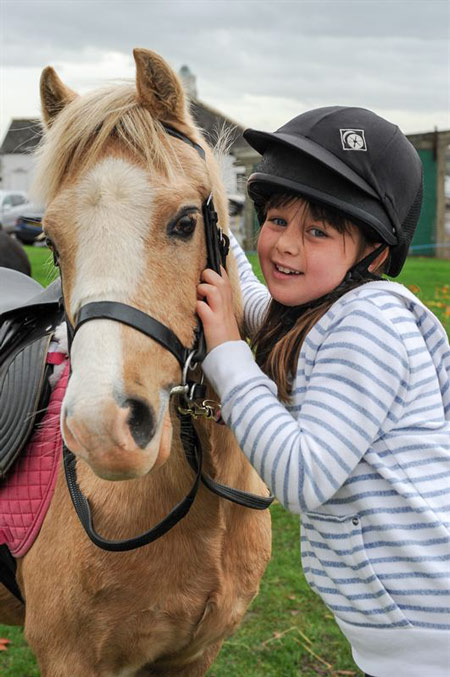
[{"x": 29, "y": 315}]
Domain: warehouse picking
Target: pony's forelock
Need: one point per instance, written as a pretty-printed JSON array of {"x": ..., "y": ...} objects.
[{"x": 84, "y": 128}]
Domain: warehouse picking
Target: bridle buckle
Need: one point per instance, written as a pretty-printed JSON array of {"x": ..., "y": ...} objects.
[
  {"x": 206, "y": 409},
  {"x": 191, "y": 394}
]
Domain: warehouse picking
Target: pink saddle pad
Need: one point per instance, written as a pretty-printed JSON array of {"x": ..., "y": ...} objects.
[{"x": 26, "y": 493}]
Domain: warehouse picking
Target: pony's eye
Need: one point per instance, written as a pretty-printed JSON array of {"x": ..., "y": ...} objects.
[
  {"x": 54, "y": 251},
  {"x": 184, "y": 226}
]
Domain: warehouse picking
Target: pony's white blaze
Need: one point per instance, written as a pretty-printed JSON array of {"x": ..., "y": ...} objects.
[
  {"x": 96, "y": 359},
  {"x": 113, "y": 215},
  {"x": 114, "y": 206}
]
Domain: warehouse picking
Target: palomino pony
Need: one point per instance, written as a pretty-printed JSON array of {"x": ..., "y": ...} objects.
[{"x": 125, "y": 174}]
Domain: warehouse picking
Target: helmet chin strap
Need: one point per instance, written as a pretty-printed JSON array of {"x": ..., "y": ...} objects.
[{"x": 360, "y": 271}]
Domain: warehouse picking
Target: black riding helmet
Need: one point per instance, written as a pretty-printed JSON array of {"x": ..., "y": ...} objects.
[{"x": 348, "y": 159}]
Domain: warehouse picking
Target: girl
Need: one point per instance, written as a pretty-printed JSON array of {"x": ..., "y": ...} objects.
[{"x": 345, "y": 412}]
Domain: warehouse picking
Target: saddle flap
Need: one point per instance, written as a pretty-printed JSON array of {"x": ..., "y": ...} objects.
[
  {"x": 20, "y": 293},
  {"x": 23, "y": 391}
]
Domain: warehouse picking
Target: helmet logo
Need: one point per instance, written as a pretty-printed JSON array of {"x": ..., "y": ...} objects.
[{"x": 353, "y": 139}]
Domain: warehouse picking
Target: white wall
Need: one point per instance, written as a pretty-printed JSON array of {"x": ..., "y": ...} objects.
[{"x": 16, "y": 171}]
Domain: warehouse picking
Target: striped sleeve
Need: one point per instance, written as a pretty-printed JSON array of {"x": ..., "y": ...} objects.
[
  {"x": 255, "y": 294},
  {"x": 354, "y": 391}
]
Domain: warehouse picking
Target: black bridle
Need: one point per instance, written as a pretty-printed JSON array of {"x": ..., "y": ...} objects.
[{"x": 217, "y": 245}]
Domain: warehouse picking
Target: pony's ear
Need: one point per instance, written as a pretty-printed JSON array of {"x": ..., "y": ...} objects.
[
  {"x": 158, "y": 88},
  {"x": 54, "y": 95}
]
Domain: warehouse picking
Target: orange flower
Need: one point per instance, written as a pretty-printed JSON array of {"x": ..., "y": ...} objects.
[{"x": 414, "y": 288}]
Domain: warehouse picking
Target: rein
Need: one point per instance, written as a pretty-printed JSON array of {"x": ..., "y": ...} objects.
[{"x": 191, "y": 394}]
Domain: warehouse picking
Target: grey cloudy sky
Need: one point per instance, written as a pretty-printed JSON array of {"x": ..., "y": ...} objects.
[{"x": 259, "y": 62}]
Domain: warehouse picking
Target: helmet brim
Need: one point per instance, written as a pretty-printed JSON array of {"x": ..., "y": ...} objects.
[
  {"x": 260, "y": 141},
  {"x": 260, "y": 184}
]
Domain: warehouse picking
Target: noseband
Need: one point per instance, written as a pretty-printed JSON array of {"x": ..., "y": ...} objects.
[{"x": 217, "y": 245}]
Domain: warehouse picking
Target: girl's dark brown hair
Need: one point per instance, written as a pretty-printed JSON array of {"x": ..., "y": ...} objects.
[{"x": 278, "y": 342}]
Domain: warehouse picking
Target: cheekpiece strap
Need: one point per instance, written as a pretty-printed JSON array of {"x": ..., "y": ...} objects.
[{"x": 217, "y": 243}]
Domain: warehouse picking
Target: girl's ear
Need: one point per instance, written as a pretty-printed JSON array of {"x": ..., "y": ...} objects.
[{"x": 380, "y": 260}]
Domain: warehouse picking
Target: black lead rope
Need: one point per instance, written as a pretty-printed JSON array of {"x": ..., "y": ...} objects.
[
  {"x": 81, "y": 504},
  {"x": 217, "y": 246},
  {"x": 193, "y": 453}
]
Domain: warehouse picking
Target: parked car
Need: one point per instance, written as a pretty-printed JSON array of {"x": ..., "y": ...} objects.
[
  {"x": 28, "y": 226},
  {"x": 29, "y": 210},
  {"x": 9, "y": 200}
]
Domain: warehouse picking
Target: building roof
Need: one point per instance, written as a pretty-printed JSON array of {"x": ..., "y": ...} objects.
[
  {"x": 212, "y": 123},
  {"x": 24, "y": 134}
]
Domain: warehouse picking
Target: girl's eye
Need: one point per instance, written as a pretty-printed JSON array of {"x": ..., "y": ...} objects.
[
  {"x": 317, "y": 232},
  {"x": 277, "y": 221},
  {"x": 184, "y": 226}
]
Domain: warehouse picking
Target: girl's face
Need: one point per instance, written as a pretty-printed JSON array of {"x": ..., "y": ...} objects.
[{"x": 303, "y": 258}]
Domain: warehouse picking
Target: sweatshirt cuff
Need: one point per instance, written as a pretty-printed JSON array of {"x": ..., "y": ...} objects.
[{"x": 228, "y": 365}]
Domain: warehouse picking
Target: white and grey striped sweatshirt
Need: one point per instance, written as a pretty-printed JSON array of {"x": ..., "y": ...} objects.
[{"x": 363, "y": 452}]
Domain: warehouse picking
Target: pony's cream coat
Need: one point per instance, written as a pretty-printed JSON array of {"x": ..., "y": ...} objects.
[{"x": 118, "y": 188}]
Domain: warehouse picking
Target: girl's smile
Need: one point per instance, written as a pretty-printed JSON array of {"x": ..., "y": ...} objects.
[
  {"x": 282, "y": 271},
  {"x": 303, "y": 258}
]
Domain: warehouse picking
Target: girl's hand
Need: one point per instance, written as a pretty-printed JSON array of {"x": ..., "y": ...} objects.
[{"x": 217, "y": 315}]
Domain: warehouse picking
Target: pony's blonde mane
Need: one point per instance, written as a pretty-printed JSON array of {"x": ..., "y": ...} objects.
[{"x": 86, "y": 125}]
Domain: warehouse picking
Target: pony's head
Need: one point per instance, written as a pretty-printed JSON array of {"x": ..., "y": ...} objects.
[{"x": 124, "y": 214}]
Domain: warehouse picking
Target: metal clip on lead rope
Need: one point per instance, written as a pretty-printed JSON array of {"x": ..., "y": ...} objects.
[{"x": 190, "y": 392}]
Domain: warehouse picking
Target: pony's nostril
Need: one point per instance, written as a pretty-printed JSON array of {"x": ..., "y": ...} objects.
[{"x": 141, "y": 421}]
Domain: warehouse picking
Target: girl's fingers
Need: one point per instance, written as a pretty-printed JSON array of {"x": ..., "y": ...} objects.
[
  {"x": 212, "y": 277},
  {"x": 204, "y": 312},
  {"x": 215, "y": 296},
  {"x": 206, "y": 291},
  {"x": 205, "y": 287}
]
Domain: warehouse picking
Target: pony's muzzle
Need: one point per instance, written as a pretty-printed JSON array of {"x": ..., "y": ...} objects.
[{"x": 118, "y": 441}]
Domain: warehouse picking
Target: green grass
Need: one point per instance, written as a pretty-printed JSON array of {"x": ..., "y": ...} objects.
[
  {"x": 42, "y": 268},
  {"x": 286, "y": 622},
  {"x": 288, "y": 630}
]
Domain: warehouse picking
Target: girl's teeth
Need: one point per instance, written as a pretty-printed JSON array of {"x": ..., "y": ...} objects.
[{"x": 287, "y": 271}]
